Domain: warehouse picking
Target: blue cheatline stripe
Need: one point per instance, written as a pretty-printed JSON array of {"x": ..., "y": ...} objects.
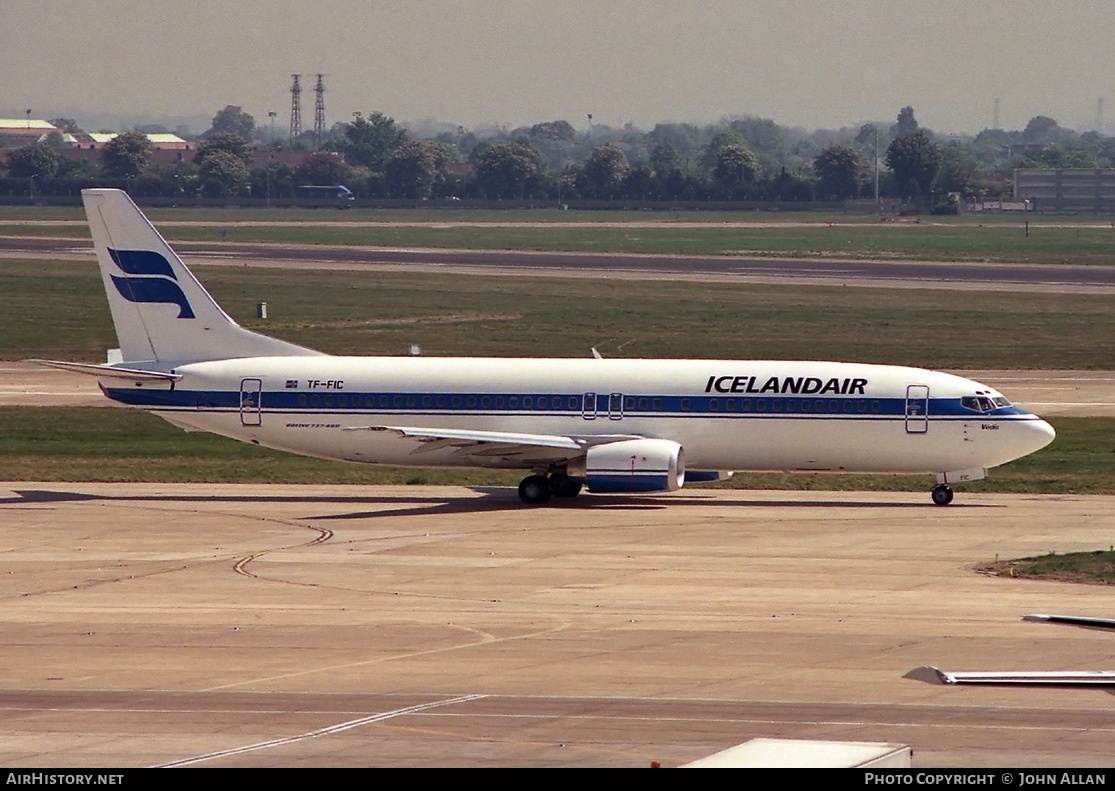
[
  {"x": 513, "y": 404},
  {"x": 628, "y": 482}
]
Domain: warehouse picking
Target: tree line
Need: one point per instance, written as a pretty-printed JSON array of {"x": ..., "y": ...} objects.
[{"x": 738, "y": 159}]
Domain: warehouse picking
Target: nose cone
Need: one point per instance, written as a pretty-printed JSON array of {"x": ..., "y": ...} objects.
[
  {"x": 1014, "y": 439},
  {"x": 1033, "y": 435}
]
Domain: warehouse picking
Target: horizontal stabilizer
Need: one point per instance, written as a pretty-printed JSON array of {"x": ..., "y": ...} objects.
[{"x": 110, "y": 371}]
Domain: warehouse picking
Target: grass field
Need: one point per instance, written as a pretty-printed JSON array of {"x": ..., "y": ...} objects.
[
  {"x": 59, "y": 311},
  {"x": 1096, "y": 567},
  {"x": 542, "y": 213}
]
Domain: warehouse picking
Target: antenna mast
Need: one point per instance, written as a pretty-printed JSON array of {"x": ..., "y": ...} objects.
[
  {"x": 319, "y": 112},
  {"x": 296, "y": 108}
]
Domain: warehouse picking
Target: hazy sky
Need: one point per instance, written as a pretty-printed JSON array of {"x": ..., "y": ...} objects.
[{"x": 813, "y": 63}]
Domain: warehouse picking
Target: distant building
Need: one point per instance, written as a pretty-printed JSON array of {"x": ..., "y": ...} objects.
[
  {"x": 161, "y": 141},
  {"x": 1066, "y": 189},
  {"x": 168, "y": 142},
  {"x": 92, "y": 140},
  {"x": 18, "y": 132}
]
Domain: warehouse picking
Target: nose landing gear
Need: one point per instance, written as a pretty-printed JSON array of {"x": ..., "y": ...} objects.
[{"x": 942, "y": 494}]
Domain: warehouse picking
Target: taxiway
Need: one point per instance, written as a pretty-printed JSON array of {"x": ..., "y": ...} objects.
[{"x": 153, "y": 625}]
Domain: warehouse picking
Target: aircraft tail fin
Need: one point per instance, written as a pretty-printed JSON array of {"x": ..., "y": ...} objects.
[{"x": 163, "y": 315}]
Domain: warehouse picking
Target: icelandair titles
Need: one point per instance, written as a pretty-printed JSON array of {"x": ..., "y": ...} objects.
[{"x": 803, "y": 385}]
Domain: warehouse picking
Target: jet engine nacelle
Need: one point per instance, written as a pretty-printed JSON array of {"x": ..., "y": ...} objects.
[{"x": 634, "y": 465}]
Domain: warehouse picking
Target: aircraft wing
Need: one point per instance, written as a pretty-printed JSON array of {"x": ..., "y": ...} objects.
[
  {"x": 1103, "y": 624},
  {"x": 1102, "y": 679},
  {"x": 507, "y": 445}
]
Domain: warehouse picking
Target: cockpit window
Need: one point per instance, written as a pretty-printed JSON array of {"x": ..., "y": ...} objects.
[
  {"x": 982, "y": 403},
  {"x": 1000, "y": 401}
]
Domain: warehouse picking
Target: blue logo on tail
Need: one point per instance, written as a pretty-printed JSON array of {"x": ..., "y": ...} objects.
[{"x": 152, "y": 285}]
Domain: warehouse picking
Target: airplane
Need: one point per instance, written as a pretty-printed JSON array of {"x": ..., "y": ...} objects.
[
  {"x": 607, "y": 425},
  {"x": 1058, "y": 679}
]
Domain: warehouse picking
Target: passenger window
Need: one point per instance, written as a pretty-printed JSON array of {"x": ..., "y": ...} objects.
[
  {"x": 301, "y": 400},
  {"x": 685, "y": 404},
  {"x": 657, "y": 404}
]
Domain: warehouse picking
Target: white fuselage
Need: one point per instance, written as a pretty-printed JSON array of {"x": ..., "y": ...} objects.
[{"x": 728, "y": 415}]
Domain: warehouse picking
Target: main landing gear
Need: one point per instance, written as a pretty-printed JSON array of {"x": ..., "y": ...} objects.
[
  {"x": 942, "y": 494},
  {"x": 537, "y": 489}
]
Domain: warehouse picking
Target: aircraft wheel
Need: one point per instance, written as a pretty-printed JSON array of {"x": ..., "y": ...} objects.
[
  {"x": 534, "y": 490},
  {"x": 942, "y": 495},
  {"x": 561, "y": 485}
]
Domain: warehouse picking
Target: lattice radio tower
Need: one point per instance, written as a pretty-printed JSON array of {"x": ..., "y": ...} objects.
[
  {"x": 295, "y": 108},
  {"x": 319, "y": 112}
]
